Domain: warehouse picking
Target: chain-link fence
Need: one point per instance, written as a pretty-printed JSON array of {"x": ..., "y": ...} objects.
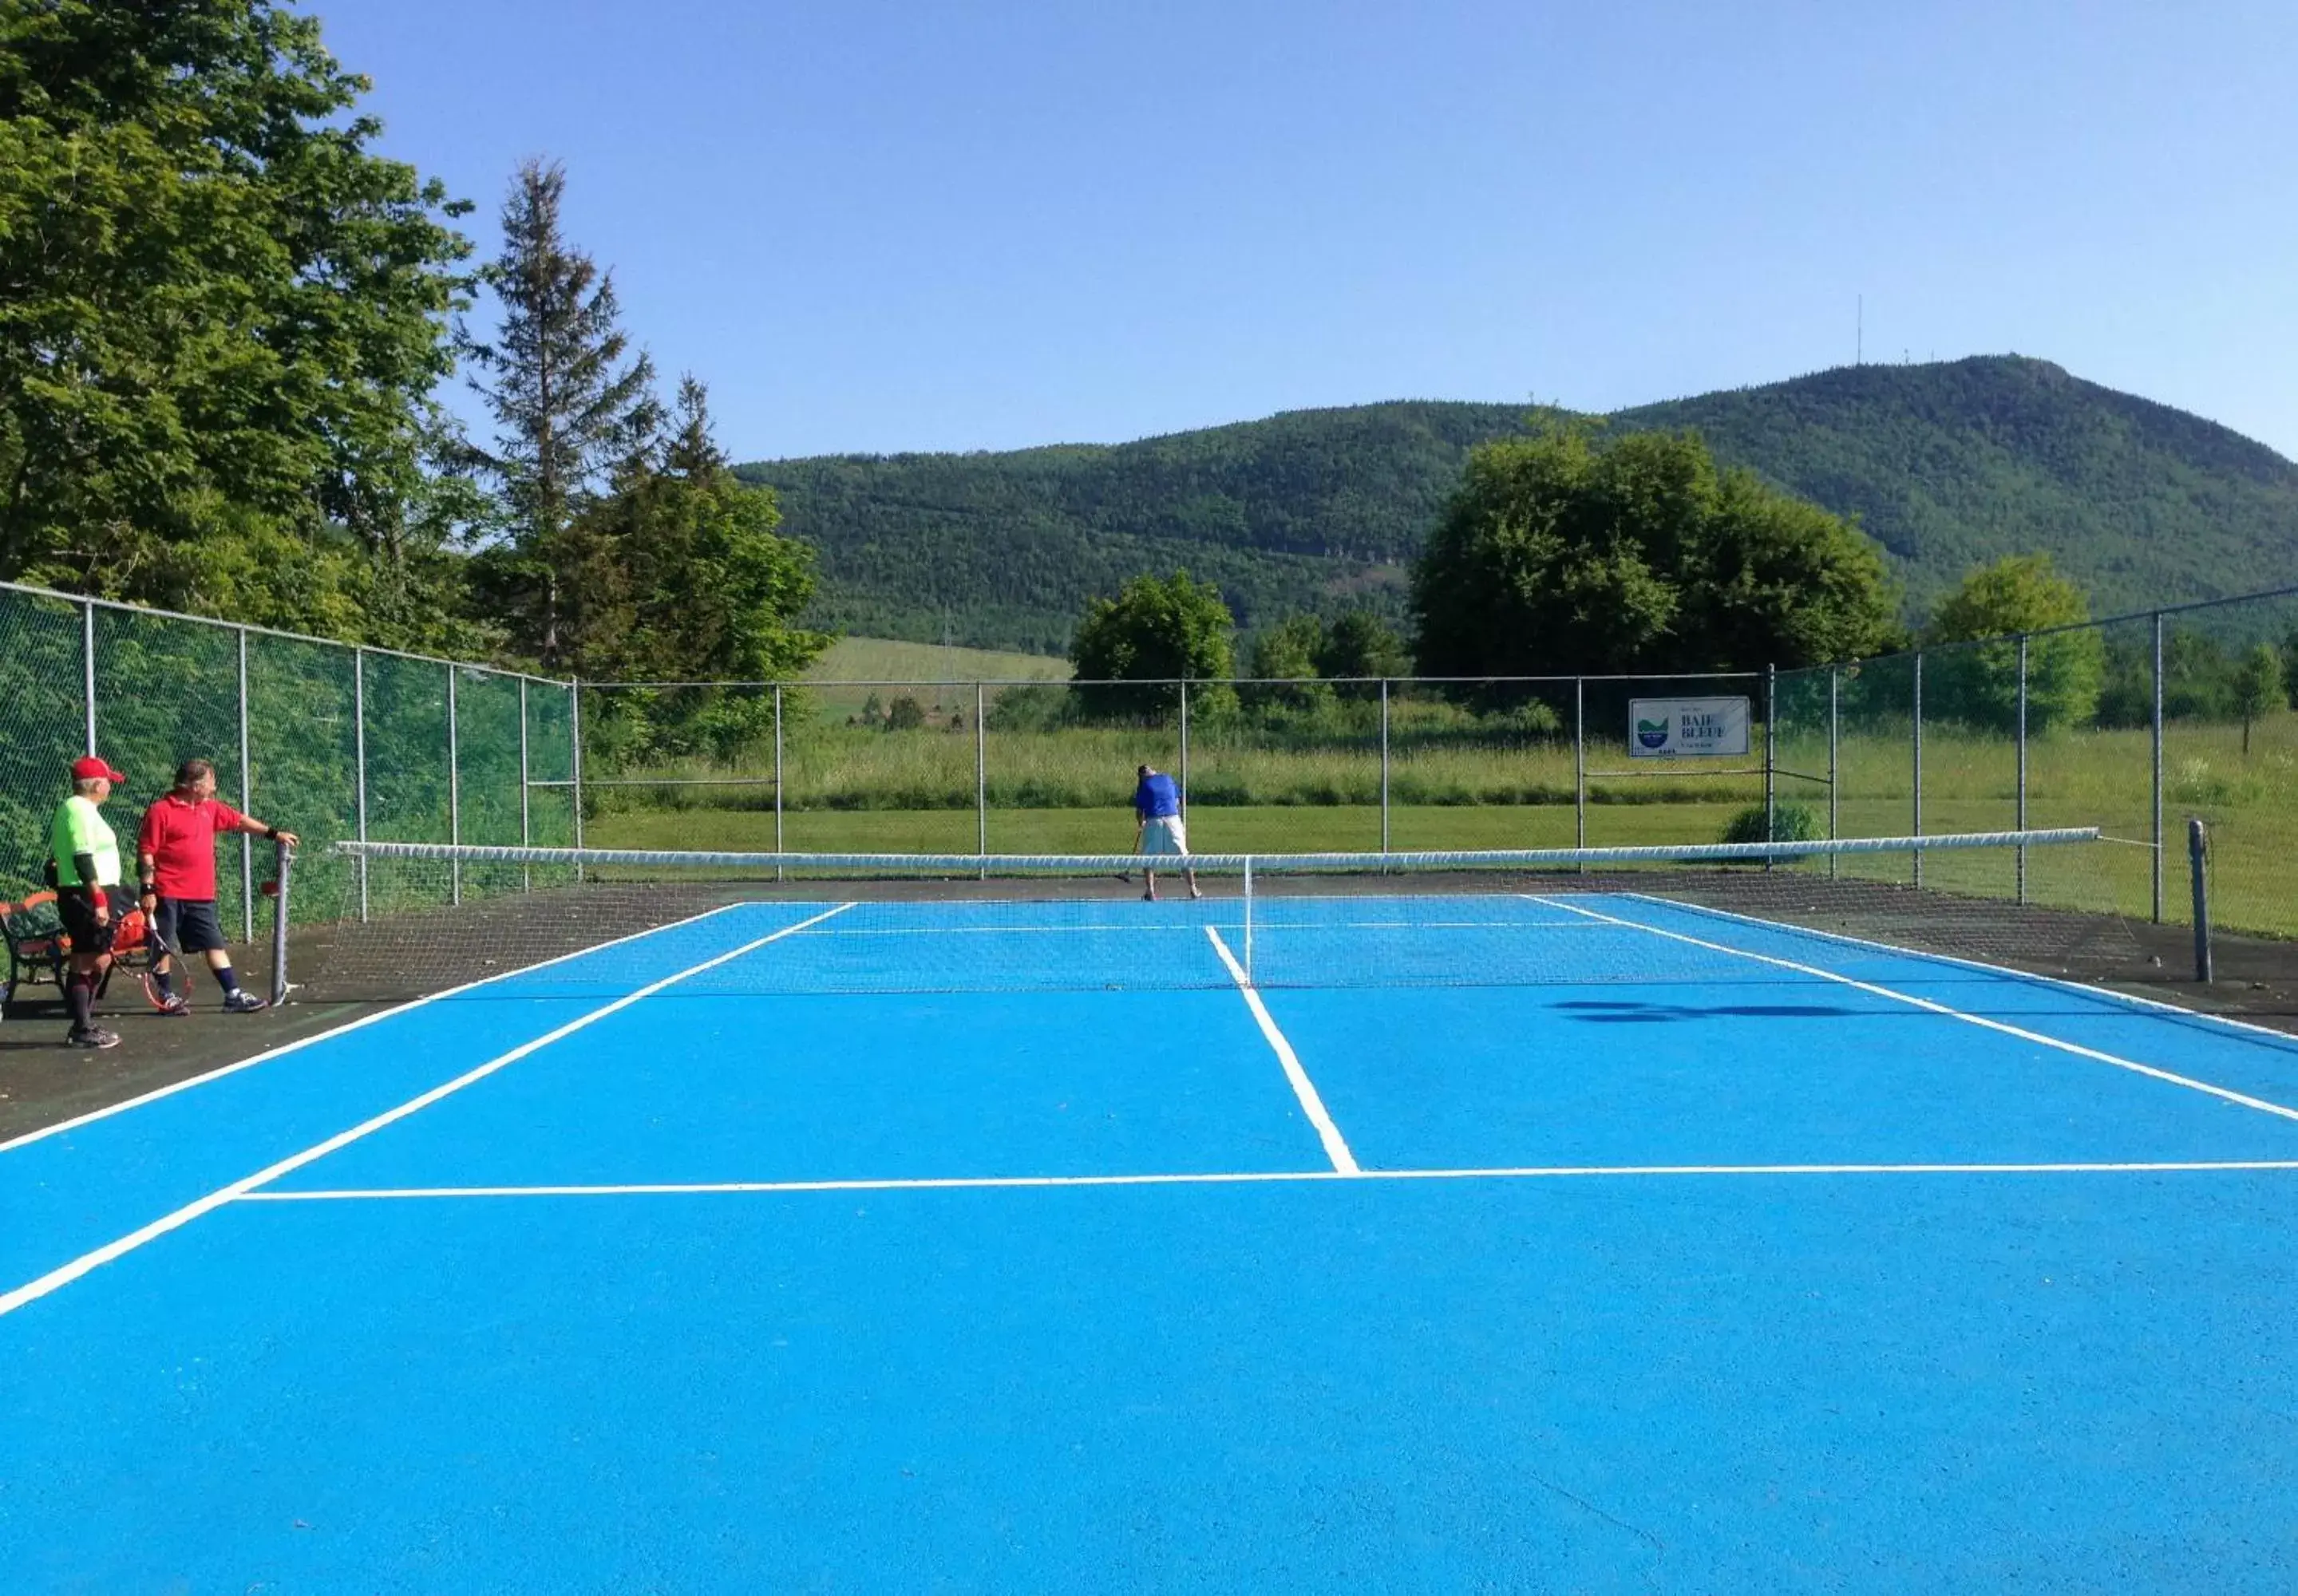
[
  {"x": 2057, "y": 729},
  {"x": 320, "y": 739},
  {"x": 2133, "y": 725}
]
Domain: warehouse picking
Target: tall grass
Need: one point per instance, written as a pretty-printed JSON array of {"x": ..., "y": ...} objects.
[{"x": 1455, "y": 781}]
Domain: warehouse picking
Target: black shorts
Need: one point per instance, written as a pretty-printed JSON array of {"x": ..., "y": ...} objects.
[
  {"x": 76, "y": 907},
  {"x": 189, "y": 924}
]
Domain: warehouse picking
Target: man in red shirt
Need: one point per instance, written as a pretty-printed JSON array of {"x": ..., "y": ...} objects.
[{"x": 175, "y": 857}]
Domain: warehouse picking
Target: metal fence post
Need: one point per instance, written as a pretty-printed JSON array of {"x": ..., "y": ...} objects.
[
  {"x": 2022, "y": 764},
  {"x": 1834, "y": 771},
  {"x": 454, "y": 792},
  {"x": 1580, "y": 763},
  {"x": 1185, "y": 748},
  {"x": 1770, "y": 755},
  {"x": 246, "y": 805},
  {"x": 1918, "y": 817},
  {"x": 981, "y": 780},
  {"x": 778, "y": 779},
  {"x": 574, "y": 717},
  {"x": 526, "y": 819},
  {"x": 2157, "y": 723},
  {"x": 1383, "y": 764},
  {"x": 87, "y": 664},
  {"x": 358, "y": 741}
]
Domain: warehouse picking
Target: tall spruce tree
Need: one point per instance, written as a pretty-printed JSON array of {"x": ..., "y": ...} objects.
[{"x": 575, "y": 411}]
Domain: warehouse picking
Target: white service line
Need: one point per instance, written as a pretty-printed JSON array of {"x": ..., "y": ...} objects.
[
  {"x": 2021, "y": 1032},
  {"x": 1257, "y": 1178},
  {"x": 2249, "y": 1028},
  {"x": 300, "y": 1042},
  {"x": 32, "y": 1291},
  {"x": 1343, "y": 1161}
]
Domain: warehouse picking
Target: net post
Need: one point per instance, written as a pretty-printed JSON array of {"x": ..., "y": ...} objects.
[
  {"x": 1770, "y": 755},
  {"x": 285, "y": 864},
  {"x": 981, "y": 782},
  {"x": 1185, "y": 748},
  {"x": 1834, "y": 743},
  {"x": 2198, "y": 856},
  {"x": 246, "y": 804},
  {"x": 1383, "y": 775},
  {"x": 1918, "y": 740},
  {"x": 2155, "y": 722},
  {"x": 778, "y": 778},
  {"x": 454, "y": 791},
  {"x": 1580, "y": 762},
  {"x": 2022, "y": 764},
  {"x": 87, "y": 665},
  {"x": 525, "y": 818},
  {"x": 575, "y": 714},
  {"x": 359, "y": 760}
]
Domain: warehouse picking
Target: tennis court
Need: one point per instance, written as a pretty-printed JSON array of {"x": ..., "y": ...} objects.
[{"x": 1568, "y": 1237}]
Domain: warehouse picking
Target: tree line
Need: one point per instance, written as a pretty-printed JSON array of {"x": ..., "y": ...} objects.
[
  {"x": 1565, "y": 553},
  {"x": 227, "y": 329}
]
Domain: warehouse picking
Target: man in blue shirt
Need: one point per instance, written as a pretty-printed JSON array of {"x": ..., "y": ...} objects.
[{"x": 1157, "y": 806}]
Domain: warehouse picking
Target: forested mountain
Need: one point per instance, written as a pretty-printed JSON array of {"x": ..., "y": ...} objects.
[{"x": 1945, "y": 465}]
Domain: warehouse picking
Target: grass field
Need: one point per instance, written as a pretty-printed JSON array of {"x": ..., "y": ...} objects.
[
  {"x": 889, "y": 660},
  {"x": 1065, "y": 791}
]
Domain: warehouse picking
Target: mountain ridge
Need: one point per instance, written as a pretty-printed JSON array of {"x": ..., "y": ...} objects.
[{"x": 1945, "y": 465}]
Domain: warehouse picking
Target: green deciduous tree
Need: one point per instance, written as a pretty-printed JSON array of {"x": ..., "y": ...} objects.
[
  {"x": 1157, "y": 629},
  {"x": 573, "y": 408},
  {"x": 1361, "y": 644},
  {"x": 2258, "y": 687},
  {"x": 1287, "y": 653},
  {"x": 1561, "y": 555},
  {"x": 220, "y": 316},
  {"x": 1979, "y": 684}
]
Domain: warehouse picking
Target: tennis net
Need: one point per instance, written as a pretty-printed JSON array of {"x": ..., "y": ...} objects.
[{"x": 433, "y": 917}]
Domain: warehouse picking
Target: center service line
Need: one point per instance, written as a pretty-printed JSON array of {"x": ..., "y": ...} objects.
[
  {"x": 1343, "y": 1161},
  {"x": 32, "y": 1291}
]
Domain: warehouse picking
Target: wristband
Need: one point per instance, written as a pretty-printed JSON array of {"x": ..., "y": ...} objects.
[{"x": 272, "y": 833}]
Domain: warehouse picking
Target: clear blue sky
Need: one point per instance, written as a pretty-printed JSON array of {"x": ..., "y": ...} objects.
[{"x": 947, "y": 224}]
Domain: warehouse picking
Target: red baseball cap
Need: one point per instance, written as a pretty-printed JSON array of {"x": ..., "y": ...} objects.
[{"x": 92, "y": 766}]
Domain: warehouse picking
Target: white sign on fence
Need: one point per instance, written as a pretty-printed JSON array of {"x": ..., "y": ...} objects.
[{"x": 1678, "y": 728}]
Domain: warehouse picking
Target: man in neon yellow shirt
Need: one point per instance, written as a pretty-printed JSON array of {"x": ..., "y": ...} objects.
[{"x": 84, "y": 862}]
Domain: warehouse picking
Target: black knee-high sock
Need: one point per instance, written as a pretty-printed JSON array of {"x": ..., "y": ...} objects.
[
  {"x": 79, "y": 993},
  {"x": 228, "y": 978}
]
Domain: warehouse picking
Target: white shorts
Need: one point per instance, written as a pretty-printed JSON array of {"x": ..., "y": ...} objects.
[{"x": 1165, "y": 834}]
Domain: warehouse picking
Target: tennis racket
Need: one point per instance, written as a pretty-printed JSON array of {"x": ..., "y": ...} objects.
[{"x": 162, "y": 947}]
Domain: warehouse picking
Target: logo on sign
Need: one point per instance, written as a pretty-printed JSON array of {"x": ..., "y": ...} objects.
[{"x": 1651, "y": 734}]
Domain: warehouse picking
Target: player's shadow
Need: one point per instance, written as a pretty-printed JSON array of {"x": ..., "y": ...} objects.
[{"x": 1618, "y": 1013}]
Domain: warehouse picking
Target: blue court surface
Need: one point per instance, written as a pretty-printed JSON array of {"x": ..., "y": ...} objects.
[{"x": 1584, "y": 1243}]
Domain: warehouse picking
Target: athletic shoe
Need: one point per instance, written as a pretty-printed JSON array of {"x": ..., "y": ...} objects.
[
  {"x": 94, "y": 1036},
  {"x": 244, "y": 1001},
  {"x": 176, "y": 1004},
  {"x": 1148, "y": 897},
  {"x": 1194, "y": 893}
]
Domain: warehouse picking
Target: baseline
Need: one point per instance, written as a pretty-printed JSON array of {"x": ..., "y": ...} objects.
[
  {"x": 2170, "y": 1077},
  {"x": 64, "y": 1275}
]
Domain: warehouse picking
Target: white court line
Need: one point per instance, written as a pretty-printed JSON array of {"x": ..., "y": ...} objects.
[
  {"x": 58, "y": 1129},
  {"x": 1259, "y": 1178},
  {"x": 2021, "y": 1031},
  {"x": 32, "y": 1291},
  {"x": 2250, "y": 1028},
  {"x": 1343, "y": 1161},
  {"x": 1123, "y": 928}
]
